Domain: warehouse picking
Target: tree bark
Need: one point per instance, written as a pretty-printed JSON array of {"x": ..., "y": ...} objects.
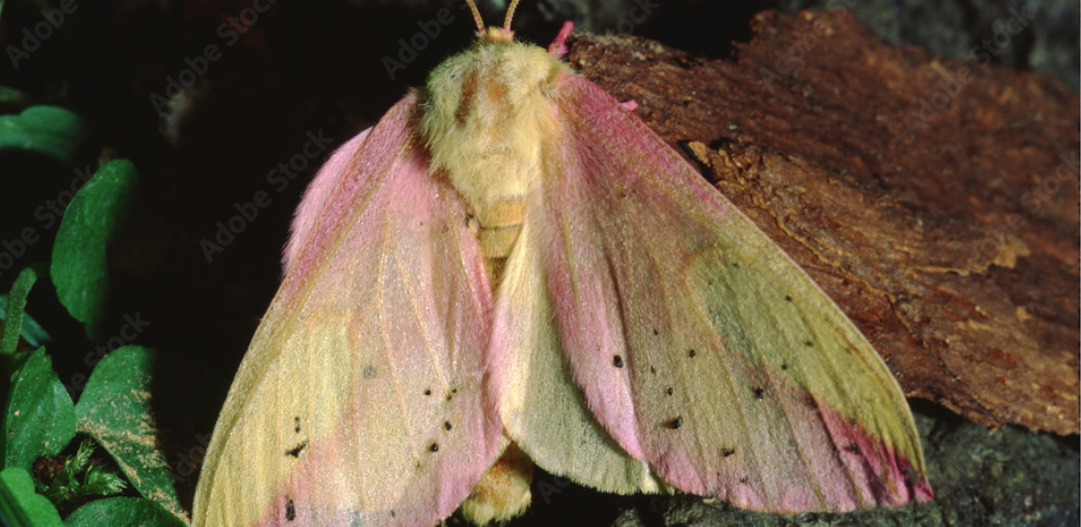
[{"x": 936, "y": 201}]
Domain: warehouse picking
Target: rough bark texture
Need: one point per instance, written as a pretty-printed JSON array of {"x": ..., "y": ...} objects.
[{"x": 936, "y": 201}]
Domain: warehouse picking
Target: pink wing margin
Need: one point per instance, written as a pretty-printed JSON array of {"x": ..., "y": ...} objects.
[
  {"x": 317, "y": 194},
  {"x": 385, "y": 290},
  {"x": 423, "y": 221},
  {"x": 623, "y": 223}
]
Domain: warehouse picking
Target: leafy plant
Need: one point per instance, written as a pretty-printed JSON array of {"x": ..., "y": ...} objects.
[
  {"x": 49, "y": 455},
  {"x": 88, "y": 227},
  {"x": 47, "y": 130},
  {"x": 75, "y": 477}
]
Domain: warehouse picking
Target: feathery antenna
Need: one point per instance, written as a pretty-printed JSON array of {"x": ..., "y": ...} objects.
[
  {"x": 476, "y": 15},
  {"x": 510, "y": 14}
]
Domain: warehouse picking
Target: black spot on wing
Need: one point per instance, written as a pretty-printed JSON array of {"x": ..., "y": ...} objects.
[
  {"x": 296, "y": 424},
  {"x": 295, "y": 451},
  {"x": 728, "y": 451},
  {"x": 759, "y": 393},
  {"x": 434, "y": 447},
  {"x": 290, "y": 510},
  {"x": 675, "y": 423},
  {"x": 617, "y": 361}
]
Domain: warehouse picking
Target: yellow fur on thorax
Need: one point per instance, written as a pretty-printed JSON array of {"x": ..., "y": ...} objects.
[{"x": 485, "y": 117}]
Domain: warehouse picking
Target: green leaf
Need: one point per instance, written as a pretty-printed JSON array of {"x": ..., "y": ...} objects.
[
  {"x": 123, "y": 512},
  {"x": 20, "y": 506},
  {"x": 48, "y": 130},
  {"x": 13, "y": 313},
  {"x": 39, "y": 418},
  {"x": 31, "y": 331},
  {"x": 79, "y": 266},
  {"x": 9, "y": 95},
  {"x": 115, "y": 410}
]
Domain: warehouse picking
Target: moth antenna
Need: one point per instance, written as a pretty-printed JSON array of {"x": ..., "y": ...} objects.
[
  {"x": 476, "y": 15},
  {"x": 510, "y": 14}
]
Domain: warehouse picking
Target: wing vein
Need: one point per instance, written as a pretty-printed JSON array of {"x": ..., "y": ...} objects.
[{"x": 385, "y": 332}]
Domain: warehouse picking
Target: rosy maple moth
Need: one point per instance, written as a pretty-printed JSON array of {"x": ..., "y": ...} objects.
[{"x": 510, "y": 263}]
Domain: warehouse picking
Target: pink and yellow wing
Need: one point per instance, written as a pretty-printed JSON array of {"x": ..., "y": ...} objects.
[
  {"x": 698, "y": 345},
  {"x": 540, "y": 404},
  {"x": 361, "y": 400}
]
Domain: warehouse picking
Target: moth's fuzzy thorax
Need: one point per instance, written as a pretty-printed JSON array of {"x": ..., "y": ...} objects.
[{"x": 486, "y": 113}]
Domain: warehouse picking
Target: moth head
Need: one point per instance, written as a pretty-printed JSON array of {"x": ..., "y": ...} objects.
[
  {"x": 502, "y": 33},
  {"x": 487, "y": 113}
]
